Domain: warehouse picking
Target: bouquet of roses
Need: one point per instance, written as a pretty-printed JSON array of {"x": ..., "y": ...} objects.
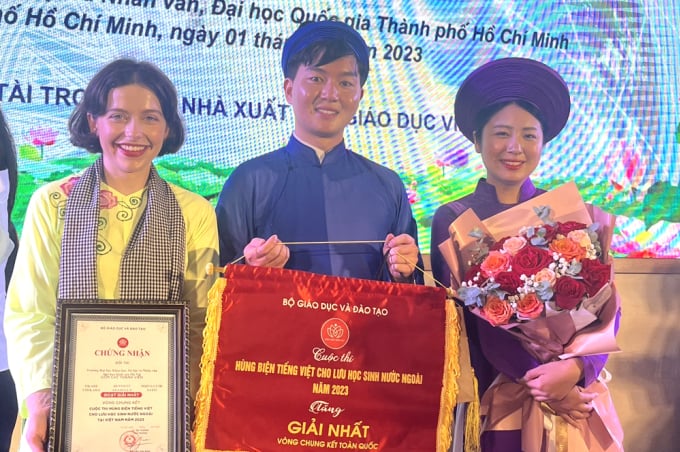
[
  {"x": 542, "y": 274},
  {"x": 539, "y": 272},
  {"x": 543, "y": 270}
]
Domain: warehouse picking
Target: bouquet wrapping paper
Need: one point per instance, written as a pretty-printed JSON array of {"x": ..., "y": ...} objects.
[{"x": 587, "y": 329}]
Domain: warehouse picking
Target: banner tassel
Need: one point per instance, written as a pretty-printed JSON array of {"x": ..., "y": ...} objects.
[
  {"x": 449, "y": 394},
  {"x": 210, "y": 336},
  {"x": 472, "y": 420}
]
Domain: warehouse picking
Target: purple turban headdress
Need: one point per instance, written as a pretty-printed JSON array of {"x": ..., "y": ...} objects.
[{"x": 512, "y": 79}]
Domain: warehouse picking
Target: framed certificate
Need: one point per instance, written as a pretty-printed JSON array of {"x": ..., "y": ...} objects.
[{"x": 121, "y": 377}]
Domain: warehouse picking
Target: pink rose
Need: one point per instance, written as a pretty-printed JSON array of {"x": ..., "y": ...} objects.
[
  {"x": 569, "y": 292},
  {"x": 497, "y": 311},
  {"x": 107, "y": 200},
  {"x": 514, "y": 244},
  {"x": 495, "y": 263},
  {"x": 581, "y": 237},
  {"x": 547, "y": 275},
  {"x": 529, "y": 307},
  {"x": 67, "y": 186}
]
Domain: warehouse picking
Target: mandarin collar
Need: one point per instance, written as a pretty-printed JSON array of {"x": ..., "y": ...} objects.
[
  {"x": 301, "y": 153},
  {"x": 487, "y": 192}
]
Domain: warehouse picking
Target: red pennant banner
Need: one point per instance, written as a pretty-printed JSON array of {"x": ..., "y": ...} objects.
[{"x": 299, "y": 361}]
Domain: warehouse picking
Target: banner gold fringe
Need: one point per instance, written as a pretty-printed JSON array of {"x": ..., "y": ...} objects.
[
  {"x": 473, "y": 420},
  {"x": 450, "y": 379},
  {"x": 210, "y": 335},
  {"x": 561, "y": 434}
]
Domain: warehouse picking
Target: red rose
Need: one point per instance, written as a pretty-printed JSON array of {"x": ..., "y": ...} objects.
[
  {"x": 472, "y": 272},
  {"x": 529, "y": 307},
  {"x": 530, "y": 260},
  {"x": 569, "y": 292},
  {"x": 568, "y": 226},
  {"x": 509, "y": 282},
  {"x": 497, "y": 311},
  {"x": 595, "y": 275},
  {"x": 550, "y": 232},
  {"x": 499, "y": 244}
]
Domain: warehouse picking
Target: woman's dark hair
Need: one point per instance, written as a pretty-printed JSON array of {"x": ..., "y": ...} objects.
[
  {"x": 8, "y": 161},
  {"x": 486, "y": 113},
  {"x": 323, "y": 52},
  {"x": 119, "y": 73}
]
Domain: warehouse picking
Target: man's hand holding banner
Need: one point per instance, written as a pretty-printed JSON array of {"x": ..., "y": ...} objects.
[{"x": 299, "y": 361}]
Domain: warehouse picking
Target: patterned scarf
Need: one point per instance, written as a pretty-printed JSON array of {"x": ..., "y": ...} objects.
[{"x": 152, "y": 266}]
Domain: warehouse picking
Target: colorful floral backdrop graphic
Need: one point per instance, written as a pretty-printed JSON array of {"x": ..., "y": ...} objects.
[{"x": 620, "y": 59}]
